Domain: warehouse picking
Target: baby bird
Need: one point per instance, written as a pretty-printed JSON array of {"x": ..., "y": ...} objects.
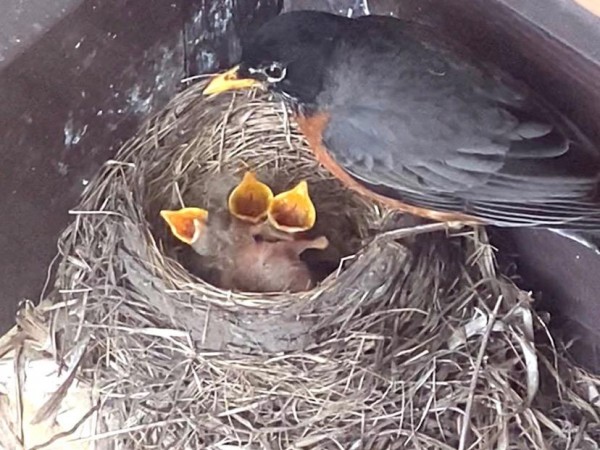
[
  {"x": 254, "y": 248},
  {"x": 273, "y": 266}
]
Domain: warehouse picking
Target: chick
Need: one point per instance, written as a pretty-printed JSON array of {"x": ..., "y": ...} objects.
[
  {"x": 273, "y": 266},
  {"x": 255, "y": 248}
]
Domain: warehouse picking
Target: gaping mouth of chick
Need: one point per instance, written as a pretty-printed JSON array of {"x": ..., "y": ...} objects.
[
  {"x": 249, "y": 201},
  {"x": 186, "y": 223},
  {"x": 293, "y": 210}
]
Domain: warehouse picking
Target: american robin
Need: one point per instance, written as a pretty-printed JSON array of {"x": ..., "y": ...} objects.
[
  {"x": 400, "y": 116},
  {"x": 253, "y": 249}
]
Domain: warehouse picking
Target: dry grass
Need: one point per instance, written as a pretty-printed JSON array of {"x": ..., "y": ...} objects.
[{"x": 421, "y": 345}]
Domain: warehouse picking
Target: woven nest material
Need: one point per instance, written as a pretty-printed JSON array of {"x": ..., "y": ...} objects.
[{"x": 413, "y": 345}]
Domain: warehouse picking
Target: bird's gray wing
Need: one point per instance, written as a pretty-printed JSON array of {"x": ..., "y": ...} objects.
[{"x": 512, "y": 171}]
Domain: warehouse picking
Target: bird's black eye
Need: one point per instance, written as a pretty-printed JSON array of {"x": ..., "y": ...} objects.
[{"x": 275, "y": 72}]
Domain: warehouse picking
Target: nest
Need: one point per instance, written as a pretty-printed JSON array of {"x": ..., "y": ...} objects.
[{"x": 419, "y": 344}]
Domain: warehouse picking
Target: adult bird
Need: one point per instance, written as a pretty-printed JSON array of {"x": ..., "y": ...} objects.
[{"x": 413, "y": 121}]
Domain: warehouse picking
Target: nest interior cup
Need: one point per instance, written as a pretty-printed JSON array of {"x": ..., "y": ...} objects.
[
  {"x": 421, "y": 345},
  {"x": 217, "y": 142}
]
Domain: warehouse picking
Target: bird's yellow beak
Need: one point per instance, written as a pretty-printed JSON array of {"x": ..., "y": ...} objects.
[
  {"x": 187, "y": 223},
  {"x": 229, "y": 81},
  {"x": 250, "y": 199},
  {"x": 293, "y": 211}
]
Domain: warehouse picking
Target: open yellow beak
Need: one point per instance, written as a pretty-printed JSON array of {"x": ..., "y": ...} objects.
[
  {"x": 229, "y": 81},
  {"x": 187, "y": 223},
  {"x": 293, "y": 211},
  {"x": 250, "y": 200}
]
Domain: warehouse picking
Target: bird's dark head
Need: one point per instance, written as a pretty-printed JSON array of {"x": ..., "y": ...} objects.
[{"x": 287, "y": 55}]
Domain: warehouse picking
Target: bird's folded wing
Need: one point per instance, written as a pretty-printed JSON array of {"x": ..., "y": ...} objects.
[{"x": 525, "y": 174}]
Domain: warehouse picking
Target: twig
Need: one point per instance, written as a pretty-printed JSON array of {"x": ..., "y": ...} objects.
[
  {"x": 467, "y": 417},
  {"x": 419, "y": 229},
  {"x": 70, "y": 431}
]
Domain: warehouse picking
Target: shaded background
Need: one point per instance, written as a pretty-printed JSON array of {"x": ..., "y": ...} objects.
[{"x": 78, "y": 76}]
